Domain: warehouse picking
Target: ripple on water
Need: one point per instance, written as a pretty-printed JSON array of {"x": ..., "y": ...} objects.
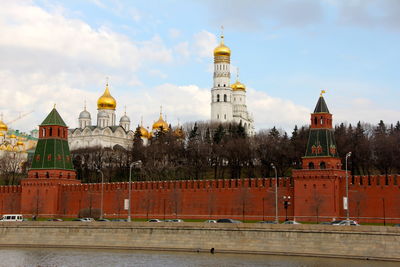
[{"x": 74, "y": 257}]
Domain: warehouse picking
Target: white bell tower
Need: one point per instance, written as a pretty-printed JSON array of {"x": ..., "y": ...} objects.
[{"x": 221, "y": 93}]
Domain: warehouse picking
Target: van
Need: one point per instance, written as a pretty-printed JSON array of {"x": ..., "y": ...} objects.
[{"x": 12, "y": 218}]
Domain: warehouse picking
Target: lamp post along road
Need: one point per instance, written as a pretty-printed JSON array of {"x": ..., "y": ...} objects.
[
  {"x": 102, "y": 193},
  {"x": 347, "y": 190},
  {"x": 133, "y": 164},
  {"x": 276, "y": 194}
]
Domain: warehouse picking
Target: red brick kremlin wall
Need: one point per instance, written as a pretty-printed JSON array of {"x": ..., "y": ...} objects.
[{"x": 371, "y": 199}]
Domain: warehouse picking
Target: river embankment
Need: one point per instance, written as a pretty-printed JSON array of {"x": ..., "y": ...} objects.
[{"x": 362, "y": 242}]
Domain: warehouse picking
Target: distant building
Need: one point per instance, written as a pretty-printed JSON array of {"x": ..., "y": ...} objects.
[{"x": 228, "y": 101}]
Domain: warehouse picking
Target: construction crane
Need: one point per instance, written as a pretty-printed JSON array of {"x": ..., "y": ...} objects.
[{"x": 20, "y": 117}]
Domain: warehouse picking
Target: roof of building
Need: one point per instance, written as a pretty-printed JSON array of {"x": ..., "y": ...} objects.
[
  {"x": 321, "y": 106},
  {"x": 53, "y": 118}
]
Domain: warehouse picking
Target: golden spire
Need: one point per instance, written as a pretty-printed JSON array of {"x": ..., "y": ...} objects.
[
  {"x": 54, "y": 106},
  {"x": 222, "y": 49},
  {"x": 322, "y": 92},
  {"x": 161, "y": 123},
  {"x": 84, "y": 105},
  {"x": 222, "y": 34},
  {"x": 238, "y": 86}
]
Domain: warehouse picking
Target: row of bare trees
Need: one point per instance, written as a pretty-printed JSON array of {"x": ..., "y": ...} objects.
[{"x": 213, "y": 151}]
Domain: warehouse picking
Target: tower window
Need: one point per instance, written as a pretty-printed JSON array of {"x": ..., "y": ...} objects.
[
  {"x": 218, "y": 96},
  {"x": 51, "y": 131},
  {"x": 225, "y": 116},
  {"x": 322, "y": 165},
  {"x": 217, "y": 116},
  {"x": 311, "y": 165},
  {"x": 219, "y": 85},
  {"x": 315, "y": 121},
  {"x": 224, "y": 85},
  {"x": 225, "y": 98}
]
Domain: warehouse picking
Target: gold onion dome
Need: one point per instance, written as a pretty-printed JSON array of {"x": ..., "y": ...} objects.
[
  {"x": 1, "y": 134},
  {"x": 238, "y": 86},
  {"x": 3, "y": 126},
  {"x": 161, "y": 123},
  {"x": 106, "y": 101},
  {"x": 222, "y": 49},
  {"x": 13, "y": 136}
]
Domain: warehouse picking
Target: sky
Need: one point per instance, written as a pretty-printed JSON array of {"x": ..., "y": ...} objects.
[{"x": 161, "y": 53}]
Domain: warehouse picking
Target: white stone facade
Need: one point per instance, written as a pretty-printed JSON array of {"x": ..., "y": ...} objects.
[{"x": 228, "y": 101}]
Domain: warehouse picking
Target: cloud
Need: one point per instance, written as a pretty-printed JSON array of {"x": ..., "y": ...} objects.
[
  {"x": 204, "y": 44},
  {"x": 271, "y": 111},
  {"x": 369, "y": 13},
  {"x": 254, "y": 15}
]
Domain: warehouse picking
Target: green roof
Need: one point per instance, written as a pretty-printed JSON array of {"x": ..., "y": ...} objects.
[
  {"x": 53, "y": 118},
  {"x": 321, "y": 143},
  {"x": 321, "y": 106},
  {"x": 52, "y": 154}
]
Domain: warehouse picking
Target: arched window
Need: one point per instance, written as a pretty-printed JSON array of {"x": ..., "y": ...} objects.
[
  {"x": 224, "y": 85},
  {"x": 225, "y": 116},
  {"x": 43, "y": 132},
  {"x": 322, "y": 120},
  {"x": 47, "y": 175},
  {"x": 218, "y": 96},
  {"x": 51, "y": 131},
  {"x": 217, "y": 116},
  {"x": 225, "y": 98},
  {"x": 311, "y": 165},
  {"x": 315, "y": 121},
  {"x": 36, "y": 175},
  {"x": 322, "y": 165}
]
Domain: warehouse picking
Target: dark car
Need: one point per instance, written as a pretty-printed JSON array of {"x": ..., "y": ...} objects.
[
  {"x": 268, "y": 222},
  {"x": 55, "y": 220},
  {"x": 103, "y": 220},
  {"x": 77, "y": 220},
  {"x": 227, "y": 221},
  {"x": 118, "y": 220}
]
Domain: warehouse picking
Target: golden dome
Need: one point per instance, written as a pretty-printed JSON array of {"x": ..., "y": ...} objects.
[
  {"x": 13, "y": 136},
  {"x": 106, "y": 101},
  {"x": 222, "y": 49},
  {"x": 160, "y": 124},
  {"x": 1, "y": 134},
  {"x": 3, "y": 126},
  {"x": 20, "y": 143},
  {"x": 143, "y": 132},
  {"x": 179, "y": 132},
  {"x": 238, "y": 86}
]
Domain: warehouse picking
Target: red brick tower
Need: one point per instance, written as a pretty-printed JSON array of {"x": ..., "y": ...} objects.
[
  {"x": 51, "y": 168},
  {"x": 317, "y": 184}
]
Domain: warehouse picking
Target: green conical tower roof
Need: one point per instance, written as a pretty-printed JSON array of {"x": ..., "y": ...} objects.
[
  {"x": 321, "y": 106},
  {"x": 321, "y": 143},
  {"x": 52, "y": 152},
  {"x": 53, "y": 118}
]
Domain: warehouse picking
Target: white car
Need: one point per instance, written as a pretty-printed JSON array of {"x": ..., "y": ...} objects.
[
  {"x": 12, "y": 218},
  {"x": 154, "y": 220},
  {"x": 345, "y": 222},
  {"x": 211, "y": 221},
  {"x": 87, "y": 220}
]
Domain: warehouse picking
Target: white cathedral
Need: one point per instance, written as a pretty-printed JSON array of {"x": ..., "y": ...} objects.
[
  {"x": 228, "y": 101},
  {"x": 106, "y": 133}
]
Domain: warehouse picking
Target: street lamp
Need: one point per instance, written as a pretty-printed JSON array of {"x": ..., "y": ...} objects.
[
  {"x": 286, "y": 204},
  {"x": 133, "y": 164},
  {"x": 347, "y": 190},
  {"x": 102, "y": 193},
  {"x": 276, "y": 193}
]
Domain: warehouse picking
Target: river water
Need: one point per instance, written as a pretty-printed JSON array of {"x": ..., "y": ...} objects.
[{"x": 71, "y": 257}]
